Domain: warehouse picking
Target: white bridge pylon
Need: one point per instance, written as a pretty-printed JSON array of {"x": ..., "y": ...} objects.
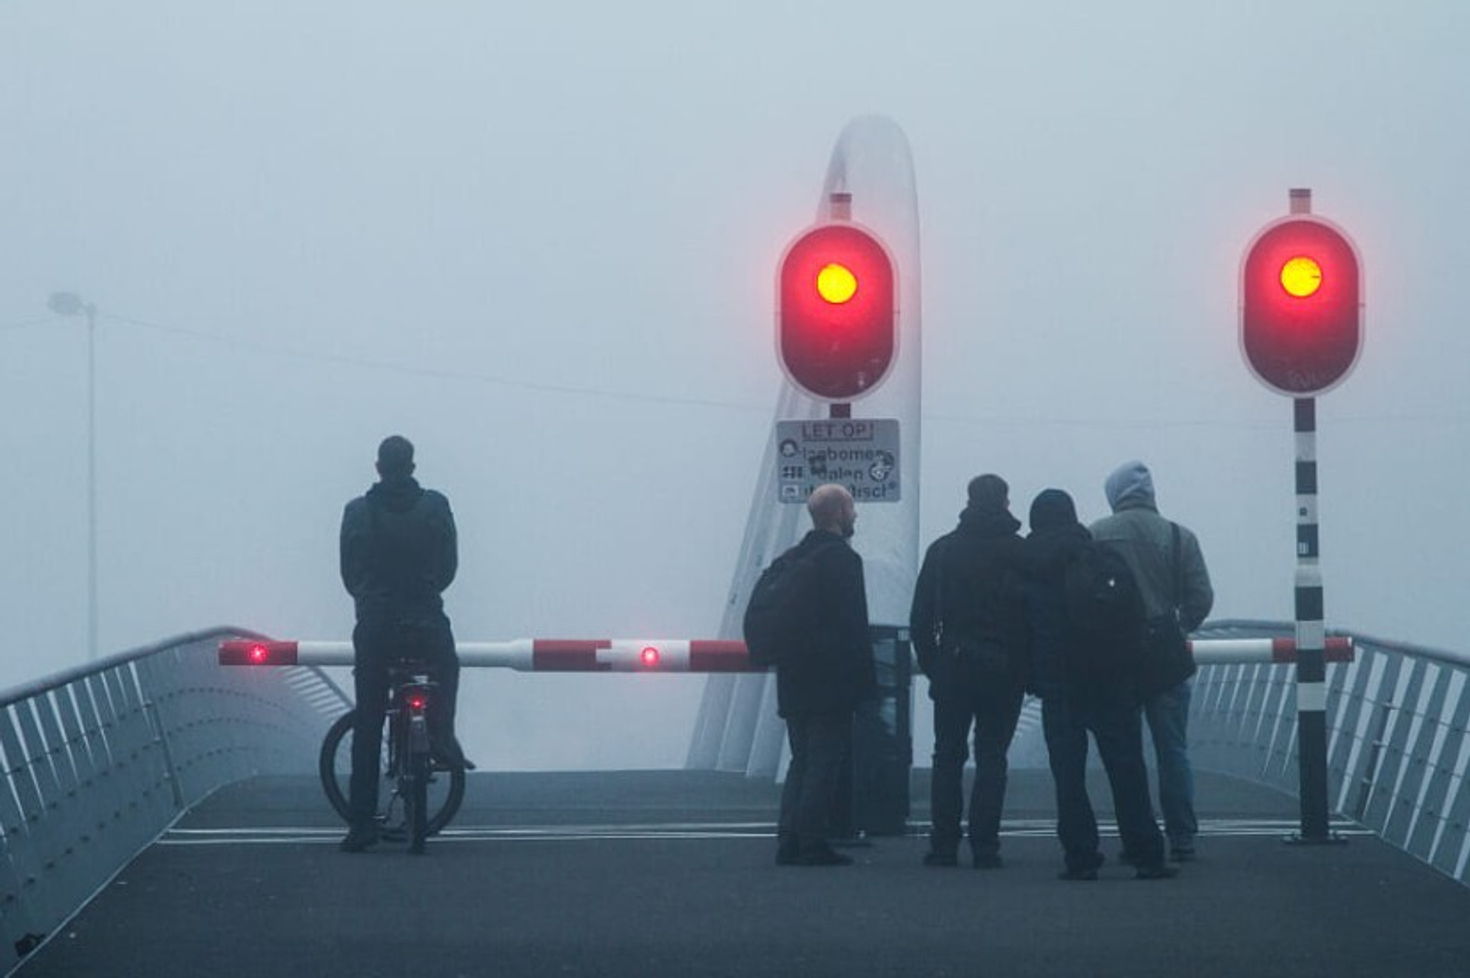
[
  {"x": 737, "y": 728},
  {"x": 674, "y": 654}
]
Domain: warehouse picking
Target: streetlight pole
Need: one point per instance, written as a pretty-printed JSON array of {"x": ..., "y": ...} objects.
[{"x": 71, "y": 304}]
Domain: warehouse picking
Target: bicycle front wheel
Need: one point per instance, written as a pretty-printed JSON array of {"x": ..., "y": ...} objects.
[{"x": 443, "y": 790}]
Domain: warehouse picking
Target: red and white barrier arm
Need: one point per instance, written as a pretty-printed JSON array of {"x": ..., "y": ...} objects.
[
  {"x": 522, "y": 655},
  {"x": 672, "y": 655},
  {"x": 1230, "y": 651}
]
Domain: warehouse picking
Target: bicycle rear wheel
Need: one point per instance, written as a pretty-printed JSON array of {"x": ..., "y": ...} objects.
[{"x": 443, "y": 790}]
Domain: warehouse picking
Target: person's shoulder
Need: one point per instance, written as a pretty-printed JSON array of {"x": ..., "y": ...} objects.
[
  {"x": 355, "y": 506},
  {"x": 940, "y": 544},
  {"x": 831, "y": 549},
  {"x": 1122, "y": 522},
  {"x": 1186, "y": 534}
]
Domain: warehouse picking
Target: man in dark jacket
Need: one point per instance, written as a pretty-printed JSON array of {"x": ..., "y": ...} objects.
[
  {"x": 399, "y": 551},
  {"x": 1076, "y": 700},
  {"x": 967, "y": 624},
  {"x": 819, "y": 688},
  {"x": 1170, "y": 569}
]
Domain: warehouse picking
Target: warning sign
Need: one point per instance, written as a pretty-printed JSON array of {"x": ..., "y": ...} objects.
[{"x": 859, "y": 453}]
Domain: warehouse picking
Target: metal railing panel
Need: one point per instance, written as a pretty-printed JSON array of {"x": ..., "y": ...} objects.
[
  {"x": 1426, "y": 738},
  {"x": 1398, "y": 747},
  {"x": 1392, "y": 744},
  {"x": 1448, "y": 856},
  {"x": 1450, "y": 742},
  {"x": 98, "y": 761}
]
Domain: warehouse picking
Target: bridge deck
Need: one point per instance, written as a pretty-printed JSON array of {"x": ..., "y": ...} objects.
[{"x": 641, "y": 873}]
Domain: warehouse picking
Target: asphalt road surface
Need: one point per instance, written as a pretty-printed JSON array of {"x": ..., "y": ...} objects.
[{"x": 672, "y": 873}]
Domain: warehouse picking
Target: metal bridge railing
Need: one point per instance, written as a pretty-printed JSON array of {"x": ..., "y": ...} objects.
[
  {"x": 1398, "y": 721},
  {"x": 99, "y": 760}
]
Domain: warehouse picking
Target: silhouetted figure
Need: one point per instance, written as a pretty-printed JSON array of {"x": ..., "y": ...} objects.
[
  {"x": 967, "y": 624},
  {"x": 1170, "y": 570},
  {"x": 1084, "y": 691},
  {"x": 821, "y": 682},
  {"x": 399, "y": 551}
]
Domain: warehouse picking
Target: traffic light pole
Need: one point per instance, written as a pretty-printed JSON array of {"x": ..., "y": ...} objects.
[{"x": 1311, "y": 637}]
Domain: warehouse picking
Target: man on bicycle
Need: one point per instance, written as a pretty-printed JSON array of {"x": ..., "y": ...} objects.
[{"x": 399, "y": 551}]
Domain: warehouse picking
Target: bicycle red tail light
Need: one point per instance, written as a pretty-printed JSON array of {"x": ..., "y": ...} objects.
[
  {"x": 417, "y": 701},
  {"x": 649, "y": 656},
  {"x": 259, "y": 654}
]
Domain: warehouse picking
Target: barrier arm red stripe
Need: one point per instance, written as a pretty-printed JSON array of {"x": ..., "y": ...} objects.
[
  {"x": 718, "y": 656},
  {"x": 568, "y": 655},
  {"x": 255, "y": 652}
]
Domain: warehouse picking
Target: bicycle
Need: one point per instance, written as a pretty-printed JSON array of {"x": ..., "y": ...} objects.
[{"x": 416, "y": 799}]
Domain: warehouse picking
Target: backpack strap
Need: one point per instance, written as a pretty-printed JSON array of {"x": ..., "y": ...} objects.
[{"x": 1178, "y": 566}]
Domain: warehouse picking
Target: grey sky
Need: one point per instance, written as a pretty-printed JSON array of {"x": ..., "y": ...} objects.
[{"x": 541, "y": 243}]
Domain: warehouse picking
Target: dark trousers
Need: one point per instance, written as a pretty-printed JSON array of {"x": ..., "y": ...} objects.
[
  {"x": 820, "y": 745},
  {"x": 992, "y": 708},
  {"x": 1112, "y": 715},
  {"x": 375, "y": 646}
]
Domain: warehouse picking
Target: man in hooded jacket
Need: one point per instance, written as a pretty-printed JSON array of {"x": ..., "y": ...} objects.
[
  {"x": 1076, "y": 700},
  {"x": 967, "y": 623},
  {"x": 1172, "y": 578},
  {"x": 399, "y": 551}
]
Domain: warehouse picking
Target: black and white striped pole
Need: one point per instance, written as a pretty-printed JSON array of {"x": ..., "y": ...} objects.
[
  {"x": 1301, "y": 330},
  {"x": 1311, "y": 633}
]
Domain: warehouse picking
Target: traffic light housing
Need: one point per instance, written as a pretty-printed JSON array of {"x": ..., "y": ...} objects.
[
  {"x": 1301, "y": 305},
  {"x": 837, "y": 311}
]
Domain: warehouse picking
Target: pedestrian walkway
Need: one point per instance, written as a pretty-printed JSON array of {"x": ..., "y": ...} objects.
[{"x": 671, "y": 873}]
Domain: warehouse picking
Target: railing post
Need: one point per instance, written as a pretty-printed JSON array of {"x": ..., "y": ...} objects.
[{"x": 160, "y": 737}]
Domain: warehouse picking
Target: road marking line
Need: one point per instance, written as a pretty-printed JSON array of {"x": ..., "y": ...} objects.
[{"x": 1016, "y": 828}]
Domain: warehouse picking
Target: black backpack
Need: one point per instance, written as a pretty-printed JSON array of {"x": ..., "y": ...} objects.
[
  {"x": 1104, "y": 609},
  {"x": 781, "y": 614}
]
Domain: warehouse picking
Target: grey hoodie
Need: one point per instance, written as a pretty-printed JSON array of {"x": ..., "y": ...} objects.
[{"x": 1145, "y": 539}]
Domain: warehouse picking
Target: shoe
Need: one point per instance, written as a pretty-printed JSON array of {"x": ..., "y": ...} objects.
[
  {"x": 941, "y": 859},
  {"x": 438, "y": 762},
  {"x": 1083, "y": 868},
  {"x": 358, "y": 838},
  {"x": 1182, "y": 855},
  {"x": 1162, "y": 871},
  {"x": 823, "y": 857},
  {"x": 987, "y": 860},
  {"x": 451, "y": 758},
  {"x": 858, "y": 840}
]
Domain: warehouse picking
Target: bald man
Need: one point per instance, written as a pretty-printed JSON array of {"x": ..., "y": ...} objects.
[{"x": 818, "y": 688}]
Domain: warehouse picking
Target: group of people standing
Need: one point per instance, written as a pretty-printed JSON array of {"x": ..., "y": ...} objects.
[{"x": 989, "y": 623}]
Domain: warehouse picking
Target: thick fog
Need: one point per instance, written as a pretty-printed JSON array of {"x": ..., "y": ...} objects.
[{"x": 540, "y": 241}]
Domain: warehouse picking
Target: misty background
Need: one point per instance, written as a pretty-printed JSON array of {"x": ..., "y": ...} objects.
[{"x": 540, "y": 241}]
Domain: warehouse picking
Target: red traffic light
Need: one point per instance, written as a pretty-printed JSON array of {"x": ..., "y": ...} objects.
[
  {"x": 1301, "y": 305},
  {"x": 837, "y": 311}
]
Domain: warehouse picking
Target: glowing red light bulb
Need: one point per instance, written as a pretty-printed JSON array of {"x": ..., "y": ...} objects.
[{"x": 649, "y": 656}]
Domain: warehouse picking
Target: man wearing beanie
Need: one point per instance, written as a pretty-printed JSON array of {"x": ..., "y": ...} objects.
[
  {"x": 969, "y": 632},
  {"x": 1170, "y": 570},
  {"x": 1076, "y": 701}
]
